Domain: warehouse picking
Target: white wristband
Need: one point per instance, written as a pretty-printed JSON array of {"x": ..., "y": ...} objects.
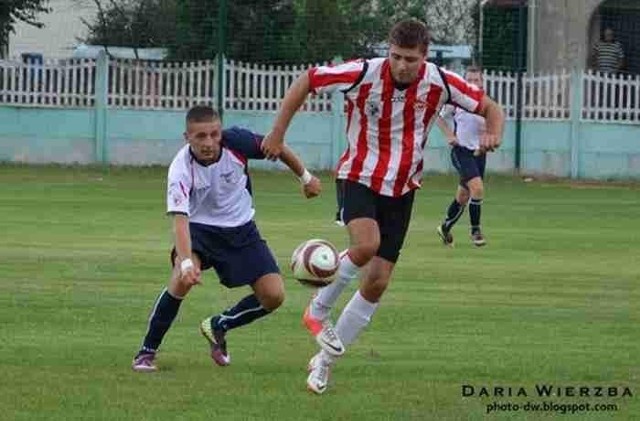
[
  {"x": 306, "y": 177},
  {"x": 185, "y": 265}
]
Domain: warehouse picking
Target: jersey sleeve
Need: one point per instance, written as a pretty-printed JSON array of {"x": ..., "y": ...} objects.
[
  {"x": 243, "y": 141},
  {"x": 179, "y": 185},
  {"x": 463, "y": 94},
  {"x": 341, "y": 77}
]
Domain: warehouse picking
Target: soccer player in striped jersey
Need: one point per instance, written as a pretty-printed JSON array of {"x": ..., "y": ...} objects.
[
  {"x": 392, "y": 103},
  {"x": 209, "y": 199},
  {"x": 464, "y": 140}
]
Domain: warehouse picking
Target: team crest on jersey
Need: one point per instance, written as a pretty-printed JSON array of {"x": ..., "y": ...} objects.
[
  {"x": 228, "y": 177},
  {"x": 372, "y": 109}
]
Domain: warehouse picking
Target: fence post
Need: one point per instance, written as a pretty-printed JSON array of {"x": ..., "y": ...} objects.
[
  {"x": 220, "y": 84},
  {"x": 576, "y": 114},
  {"x": 337, "y": 125},
  {"x": 101, "y": 89}
]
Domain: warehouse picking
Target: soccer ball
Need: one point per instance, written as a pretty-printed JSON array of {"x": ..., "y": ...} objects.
[{"x": 315, "y": 262}]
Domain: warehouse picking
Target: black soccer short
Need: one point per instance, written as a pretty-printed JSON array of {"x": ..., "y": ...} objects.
[
  {"x": 467, "y": 164},
  {"x": 238, "y": 254},
  {"x": 392, "y": 214}
]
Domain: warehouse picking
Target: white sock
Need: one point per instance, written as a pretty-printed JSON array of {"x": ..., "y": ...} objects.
[
  {"x": 326, "y": 297},
  {"x": 354, "y": 318}
]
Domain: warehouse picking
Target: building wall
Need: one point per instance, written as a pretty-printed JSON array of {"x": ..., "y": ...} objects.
[
  {"x": 561, "y": 33},
  {"x": 137, "y": 137},
  {"x": 59, "y": 35}
]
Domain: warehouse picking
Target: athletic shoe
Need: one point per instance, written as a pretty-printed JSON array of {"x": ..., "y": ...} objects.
[
  {"x": 478, "y": 239},
  {"x": 143, "y": 362},
  {"x": 217, "y": 342},
  {"x": 445, "y": 236},
  {"x": 318, "y": 378},
  {"x": 324, "y": 333}
]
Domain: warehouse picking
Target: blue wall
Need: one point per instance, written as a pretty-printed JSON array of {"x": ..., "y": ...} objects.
[{"x": 136, "y": 137}]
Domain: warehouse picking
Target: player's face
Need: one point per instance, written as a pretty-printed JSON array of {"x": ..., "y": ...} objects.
[
  {"x": 405, "y": 63},
  {"x": 205, "y": 139},
  {"x": 474, "y": 78}
]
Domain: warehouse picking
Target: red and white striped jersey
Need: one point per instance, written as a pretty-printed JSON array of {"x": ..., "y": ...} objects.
[{"x": 387, "y": 128}]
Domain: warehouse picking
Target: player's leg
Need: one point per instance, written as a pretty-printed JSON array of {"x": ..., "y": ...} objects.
[
  {"x": 355, "y": 317},
  {"x": 457, "y": 205},
  {"x": 476, "y": 191},
  {"x": 393, "y": 216},
  {"x": 162, "y": 315},
  {"x": 358, "y": 213},
  {"x": 250, "y": 263}
]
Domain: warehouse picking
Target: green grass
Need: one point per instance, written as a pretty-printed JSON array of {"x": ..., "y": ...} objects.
[{"x": 552, "y": 299}]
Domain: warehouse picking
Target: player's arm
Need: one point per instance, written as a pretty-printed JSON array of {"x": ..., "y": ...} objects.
[
  {"x": 189, "y": 273},
  {"x": 178, "y": 190},
  {"x": 311, "y": 185},
  {"x": 493, "y": 114},
  {"x": 293, "y": 100},
  {"x": 446, "y": 131},
  {"x": 321, "y": 79}
]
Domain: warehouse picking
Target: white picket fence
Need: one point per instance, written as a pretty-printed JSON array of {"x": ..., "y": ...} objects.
[
  {"x": 610, "y": 97},
  {"x": 52, "y": 83},
  {"x": 160, "y": 85},
  {"x": 545, "y": 96},
  {"x": 261, "y": 87},
  {"x": 138, "y": 84}
]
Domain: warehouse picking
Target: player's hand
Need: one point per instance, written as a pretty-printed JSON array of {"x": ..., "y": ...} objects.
[
  {"x": 272, "y": 146},
  {"x": 489, "y": 142},
  {"x": 452, "y": 141},
  {"x": 312, "y": 188},
  {"x": 190, "y": 276}
]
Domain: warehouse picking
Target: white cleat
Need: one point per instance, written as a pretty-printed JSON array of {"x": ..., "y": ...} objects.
[
  {"x": 319, "y": 371},
  {"x": 324, "y": 333}
]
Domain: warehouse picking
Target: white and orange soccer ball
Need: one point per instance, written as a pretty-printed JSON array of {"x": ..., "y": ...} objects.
[{"x": 315, "y": 262}]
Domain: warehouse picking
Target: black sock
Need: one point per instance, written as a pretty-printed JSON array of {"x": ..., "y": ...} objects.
[
  {"x": 475, "y": 207},
  {"x": 162, "y": 315},
  {"x": 244, "y": 312},
  {"x": 454, "y": 212}
]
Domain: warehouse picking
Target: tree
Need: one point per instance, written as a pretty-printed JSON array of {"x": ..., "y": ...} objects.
[
  {"x": 278, "y": 31},
  {"x": 14, "y": 11},
  {"x": 133, "y": 23}
]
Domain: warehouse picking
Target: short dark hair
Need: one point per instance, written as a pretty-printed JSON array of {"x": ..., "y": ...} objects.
[
  {"x": 410, "y": 33},
  {"x": 202, "y": 113}
]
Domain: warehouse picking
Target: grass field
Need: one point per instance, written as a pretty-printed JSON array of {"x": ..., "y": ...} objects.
[{"x": 553, "y": 299}]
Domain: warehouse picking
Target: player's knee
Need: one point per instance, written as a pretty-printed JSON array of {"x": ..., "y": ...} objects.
[
  {"x": 366, "y": 249},
  {"x": 177, "y": 287},
  {"x": 462, "y": 197},
  {"x": 476, "y": 189},
  {"x": 272, "y": 300},
  {"x": 269, "y": 290}
]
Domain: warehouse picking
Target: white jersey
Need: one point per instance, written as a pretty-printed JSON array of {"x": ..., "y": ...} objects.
[
  {"x": 218, "y": 194},
  {"x": 466, "y": 126},
  {"x": 387, "y": 127}
]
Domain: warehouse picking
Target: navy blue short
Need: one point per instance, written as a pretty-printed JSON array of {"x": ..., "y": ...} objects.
[
  {"x": 468, "y": 165},
  {"x": 239, "y": 255}
]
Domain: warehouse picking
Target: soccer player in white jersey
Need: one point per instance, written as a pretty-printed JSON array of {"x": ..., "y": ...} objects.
[
  {"x": 209, "y": 198},
  {"x": 391, "y": 105},
  {"x": 464, "y": 140}
]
